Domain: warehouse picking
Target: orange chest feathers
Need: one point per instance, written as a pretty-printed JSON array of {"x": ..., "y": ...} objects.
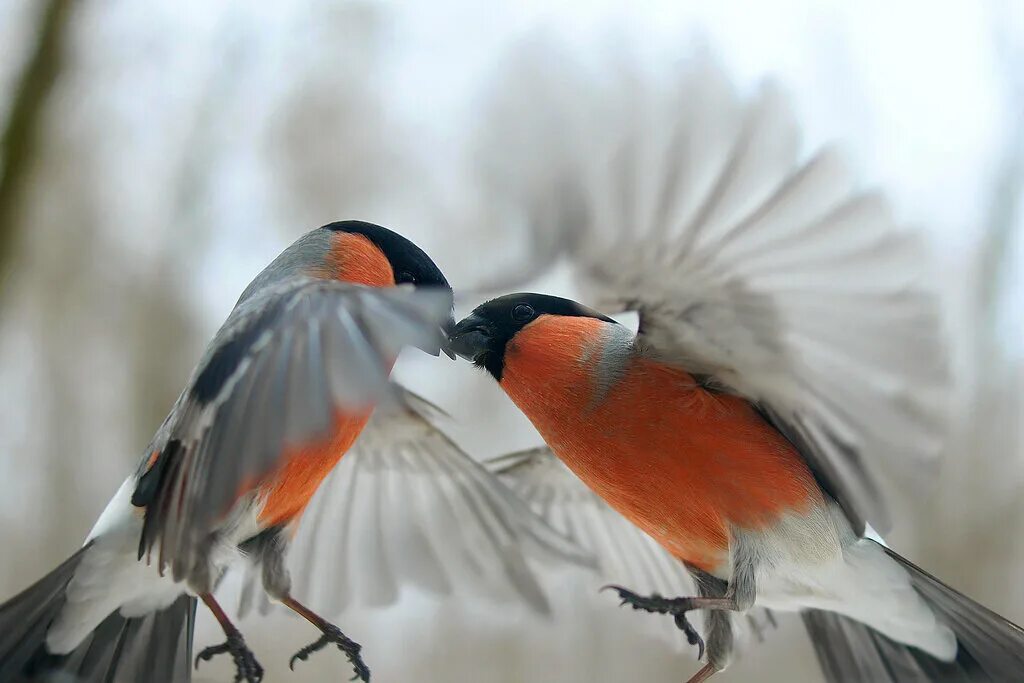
[
  {"x": 680, "y": 462},
  {"x": 287, "y": 492},
  {"x": 288, "y": 489}
]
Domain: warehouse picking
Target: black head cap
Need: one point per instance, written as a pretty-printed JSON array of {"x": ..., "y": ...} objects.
[
  {"x": 483, "y": 335},
  {"x": 409, "y": 263}
]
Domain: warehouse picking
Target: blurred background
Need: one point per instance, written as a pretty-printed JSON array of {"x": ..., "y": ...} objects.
[{"x": 155, "y": 156}]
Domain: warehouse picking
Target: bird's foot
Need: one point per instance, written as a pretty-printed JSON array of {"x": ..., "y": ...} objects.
[
  {"x": 677, "y": 607},
  {"x": 758, "y": 627},
  {"x": 246, "y": 667},
  {"x": 332, "y": 634}
]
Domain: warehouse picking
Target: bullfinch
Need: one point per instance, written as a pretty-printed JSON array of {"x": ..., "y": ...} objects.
[
  {"x": 788, "y": 375},
  {"x": 283, "y": 391},
  {"x": 733, "y": 490}
]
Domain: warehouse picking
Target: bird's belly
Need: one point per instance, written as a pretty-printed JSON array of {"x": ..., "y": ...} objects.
[
  {"x": 287, "y": 491},
  {"x": 685, "y": 465},
  {"x": 670, "y": 512}
]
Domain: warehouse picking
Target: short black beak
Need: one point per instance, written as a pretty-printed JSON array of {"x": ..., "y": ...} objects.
[
  {"x": 447, "y": 328},
  {"x": 470, "y": 338}
]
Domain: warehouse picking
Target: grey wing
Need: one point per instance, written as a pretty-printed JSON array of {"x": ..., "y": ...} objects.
[
  {"x": 782, "y": 280},
  {"x": 286, "y": 361},
  {"x": 773, "y": 273},
  {"x": 625, "y": 554},
  {"x": 407, "y": 507}
]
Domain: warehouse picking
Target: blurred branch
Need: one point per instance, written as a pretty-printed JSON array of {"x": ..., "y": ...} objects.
[{"x": 19, "y": 143}]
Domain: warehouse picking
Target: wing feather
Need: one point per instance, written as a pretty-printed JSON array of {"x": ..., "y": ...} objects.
[
  {"x": 286, "y": 360},
  {"x": 407, "y": 507},
  {"x": 624, "y": 553},
  {"x": 773, "y": 273}
]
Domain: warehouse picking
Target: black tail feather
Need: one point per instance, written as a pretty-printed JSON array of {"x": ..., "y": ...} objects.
[
  {"x": 25, "y": 618},
  {"x": 156, "y": 647},
  {"x": 990, "y": 648}
]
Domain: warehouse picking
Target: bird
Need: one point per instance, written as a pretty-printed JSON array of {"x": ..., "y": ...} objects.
[
  {"x": 787, "y": 379},
  {"x": 281, "y": 393}
]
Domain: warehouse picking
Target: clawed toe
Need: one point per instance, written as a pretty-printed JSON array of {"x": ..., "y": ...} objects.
[
  {"x": 652, "y": 603},
  {"x": 246, "y": 667},
  {"x": 692, "y": 637},
  {"x": 332, "y": 634},
  {"x": 677, "y": 607}
]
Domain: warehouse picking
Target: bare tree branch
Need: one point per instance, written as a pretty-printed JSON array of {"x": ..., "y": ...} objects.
[{"x": 19, "y": 143}]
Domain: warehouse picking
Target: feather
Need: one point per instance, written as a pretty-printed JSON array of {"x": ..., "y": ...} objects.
[
  {"x": 747, "y": 261},
  {"x": 407, "y": 507},
  {"x": 300, "y": 350}
]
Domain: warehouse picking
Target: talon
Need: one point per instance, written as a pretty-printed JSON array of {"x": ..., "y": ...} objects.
[
  {"x": 692, "y": 637},
  {"x": 246, "y": 667},
  {"x": 677, "y": 607},
  {"x": 304, "y": 653},
  {"x": 755, "y": 628},
  {"x": 628, "y": 597},
  {"x": 332, "y": 634},
  {"x": 653, "y": 602},
  {"x": 209, "y": 653}
]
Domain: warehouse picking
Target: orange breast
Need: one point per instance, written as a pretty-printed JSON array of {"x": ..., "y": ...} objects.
[
  {"x": 287, "y": 492},
  {"x": 681, "y": 463}
]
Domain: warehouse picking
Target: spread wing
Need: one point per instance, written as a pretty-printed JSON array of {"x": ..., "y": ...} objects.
[
  {"x": 624, "y": 553},
  {"x": 407, "y": 507},
  {"x": 285, "y": 361},
  {"x": 774, "y": 274}
]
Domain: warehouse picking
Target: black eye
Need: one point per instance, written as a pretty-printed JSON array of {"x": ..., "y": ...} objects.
[
  {"x": 406, "y": 276},
  {"x": 522, "y": 313}
]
